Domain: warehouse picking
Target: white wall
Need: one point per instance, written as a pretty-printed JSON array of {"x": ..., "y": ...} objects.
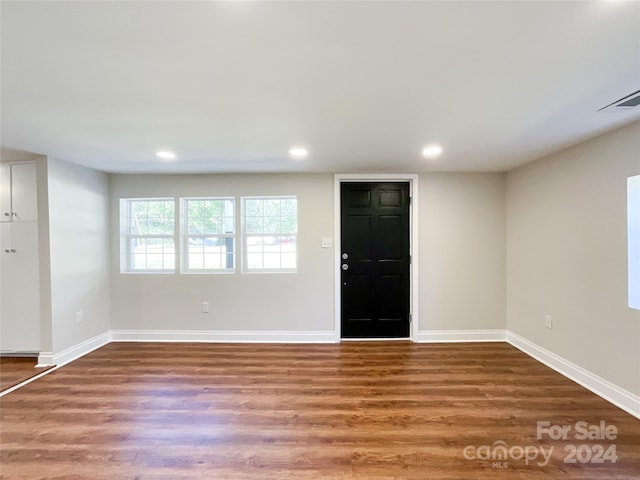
[
  {"x": 567, "y": 255},
  {"x": 44, "y": 256},
  {"x": 79, "y": 252},
  {"x": 462, "y": 251},
  {"x": 259, "y": 302},
  {"x": 462, "y": 262}
]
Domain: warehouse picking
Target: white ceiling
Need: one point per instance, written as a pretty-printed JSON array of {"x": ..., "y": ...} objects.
[{"x": 230, "y": 86}]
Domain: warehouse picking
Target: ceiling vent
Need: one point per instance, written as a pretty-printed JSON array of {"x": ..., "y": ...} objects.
[{"x": 625, "y": 103}]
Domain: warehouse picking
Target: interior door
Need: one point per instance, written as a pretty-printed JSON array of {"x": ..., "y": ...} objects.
[{"x": 375, "y": 260}]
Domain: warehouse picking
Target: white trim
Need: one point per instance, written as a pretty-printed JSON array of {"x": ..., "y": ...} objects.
[
  {"x": 412, "y": 179},
  {"x": 451, "y": 336},
  {"x": 29, "y": 380},
  {"x": 211, "y": 336},
  {"x": 45, "y": 359},
  {"x": 627, "y": 401},
  {"x": 79, "y": 350},
  {"x": 377, "y": 339}
]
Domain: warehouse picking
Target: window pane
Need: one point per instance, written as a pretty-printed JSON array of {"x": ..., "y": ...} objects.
[
  {"x": 169, "y": 254},
  {"x": 195, "y": 226},
  {"x": 152, "y": 253},
  {"x": 272, "y": 260},
  {"x": 254, "y": 224},
  {"x": 194, "y": 209},
  {"x": 288, "y": 244},
  {"x": 195, "y": 254},
  {"x": 157, "y": 209},
  {"x": 211, "y": 253},
  {"x": 270, "y": 225},
  {"x": 288, "y": 260},
  {"x": 213, "y": 225},
  {"x": 289, "y": 207},
  {"x": 272, "y": 208},
  {"x": 254, "y": 260},
  {"x": 156, "y": 226},
  {"x": 145, "y": 225},
  {"x": 208, "y": 221},
  {"x": 138, "y": 226},
  {"x": 289, "y": 224},
  {"x": 138, "y": 209},
  {"x": 151, "y": 217}
]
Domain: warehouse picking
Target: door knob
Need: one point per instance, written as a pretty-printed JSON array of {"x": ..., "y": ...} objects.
[
  {"x": 345, "y": 266},
  {"x": 345, "y": 256},
  {"x": 13, "y": 250},
  {"x": 6, "y": 250}
]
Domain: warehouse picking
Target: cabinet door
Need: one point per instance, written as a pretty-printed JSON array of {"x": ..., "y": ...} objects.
[
  {"x": 5, "y": 192},
  {"x": 24, "y": 203},
  {"x": 19, "y": 288}
]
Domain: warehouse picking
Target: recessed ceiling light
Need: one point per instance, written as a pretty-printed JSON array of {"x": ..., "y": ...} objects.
[
  {"x": 166, "y": 155},
  {"x": 431, "y": 151},
  {"x": 298, "y": 152}
]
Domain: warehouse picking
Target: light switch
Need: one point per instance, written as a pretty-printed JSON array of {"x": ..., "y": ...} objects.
[{"x": 327, "y": 242}]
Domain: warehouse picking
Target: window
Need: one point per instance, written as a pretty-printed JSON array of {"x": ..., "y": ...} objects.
[
  {"x": 208, "y": 234},
  {"x": 205, "y": 229},
  {"x": 270, "y": 227},
  {"x": 148, "y": 234}
]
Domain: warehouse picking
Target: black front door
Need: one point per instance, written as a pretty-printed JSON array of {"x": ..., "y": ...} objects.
[{"x": 375, "y": 260}]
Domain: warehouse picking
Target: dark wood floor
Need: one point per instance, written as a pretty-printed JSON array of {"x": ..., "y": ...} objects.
[{"x": 356, "y": 410}]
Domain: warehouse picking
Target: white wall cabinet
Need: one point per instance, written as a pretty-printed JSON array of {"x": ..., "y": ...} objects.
[
  {"x": 18, "y": 187},
  {"x": 19, "y": 253},
  {"x": 19, "y": 287}
]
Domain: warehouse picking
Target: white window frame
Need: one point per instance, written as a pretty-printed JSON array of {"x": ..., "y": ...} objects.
[
  {"x": 126, "y": 263},
  {"x": 245, "y": 235},
  {"x": 185, "y": 236}
]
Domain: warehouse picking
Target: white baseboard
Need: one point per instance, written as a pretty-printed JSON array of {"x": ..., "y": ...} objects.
[
  {"x": 449, "y": 336},
  {"x": 72, "y": 353},
  {"x": 620, "y": 397},
  {"x": 45, "y": 359},
  {"x": 222, "y": 336}
]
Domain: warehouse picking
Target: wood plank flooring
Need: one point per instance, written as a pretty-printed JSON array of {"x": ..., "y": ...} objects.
[
  {"x": 350, "y": 411},
  {"x": 15, "y": 370}
]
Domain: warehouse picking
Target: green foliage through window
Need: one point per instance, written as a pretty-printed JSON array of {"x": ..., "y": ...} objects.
[
  {"x": 209, "y": 240},
  {"x": 151, "y": 229},
  {"x": 270, "y": 227},
  {"x": 207, "y": 234}
]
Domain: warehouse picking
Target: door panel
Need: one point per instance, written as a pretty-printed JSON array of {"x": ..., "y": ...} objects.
[
  {"x": 24, "y": 202},
  {"x": 375, "y": 272},
  {"x": 5, "y": 192},
  {"x": 19, "y": 288}
]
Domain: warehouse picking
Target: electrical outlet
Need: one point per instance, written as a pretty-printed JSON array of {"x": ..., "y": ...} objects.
[
  {"x": 547, "y": 322},
  {"x": 79, "y": 317},
  {"x": 205, "y": 307}
]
